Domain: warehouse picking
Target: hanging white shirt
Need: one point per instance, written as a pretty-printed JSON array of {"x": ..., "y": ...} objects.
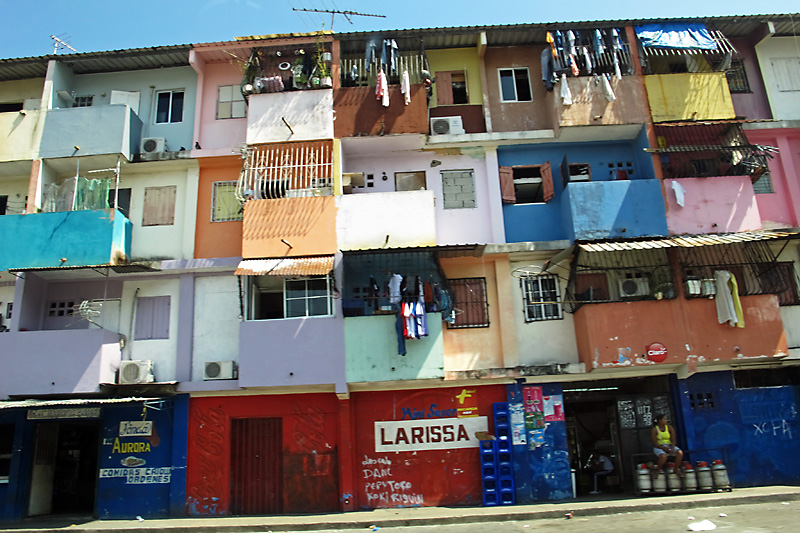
[{"x": 405, "y": 87}]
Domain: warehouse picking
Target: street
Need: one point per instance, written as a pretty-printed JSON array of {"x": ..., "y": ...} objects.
[{"x": 755, "y": 518}]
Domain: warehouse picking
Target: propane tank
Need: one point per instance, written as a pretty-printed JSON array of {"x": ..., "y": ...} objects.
[
  {"x": 673, "y": 479},
  {"x": 643, "y": 482},
  {"x": 704, "y": 479},
  {"x": 719, "y": 474},
  {"x": 689, "y": 477},
  {"x": 660, "y": 482}
]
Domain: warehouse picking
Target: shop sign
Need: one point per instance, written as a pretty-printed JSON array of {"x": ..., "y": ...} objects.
[
  {"x": 70, "y": 412},
  {"x": 428, "y": 434},
  {"x": 136, "y": 428},
  {"x": 656, "y": 352}
]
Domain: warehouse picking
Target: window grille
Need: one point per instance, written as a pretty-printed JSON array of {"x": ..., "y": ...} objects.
[
  {"x": 224, "y": 206},
  {"x": 541, "y": 298},
  {"x": 286, "y": 170},
  {"x": 471, "y": 310},
  {"x": 737, "y": 77}
]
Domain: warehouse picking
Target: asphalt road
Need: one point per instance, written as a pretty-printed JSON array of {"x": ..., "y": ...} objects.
[{"x": 753, "y": 518}]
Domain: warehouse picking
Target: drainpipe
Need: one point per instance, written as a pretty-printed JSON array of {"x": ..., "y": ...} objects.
[{"x": 199, "y": 67}]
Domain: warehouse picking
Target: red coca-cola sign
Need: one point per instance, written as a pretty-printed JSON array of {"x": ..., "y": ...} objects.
[{"x": 656, "y": 352}]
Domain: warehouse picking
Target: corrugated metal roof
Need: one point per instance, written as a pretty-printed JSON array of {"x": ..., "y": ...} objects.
[
  {"x": 444, "y": 250},
  {"x": 72, "y": 401},
  {"x": 286, "y": 266},
  {"x": 689, "y": 241}
]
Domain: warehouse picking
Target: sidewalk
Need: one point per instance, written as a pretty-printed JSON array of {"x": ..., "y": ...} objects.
[{"x": 418, "y": 516}]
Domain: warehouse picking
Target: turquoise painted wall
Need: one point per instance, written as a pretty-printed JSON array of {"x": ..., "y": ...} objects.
[
  {"x": 81, "y": 237},
  {"x": 371, "y": 350}
]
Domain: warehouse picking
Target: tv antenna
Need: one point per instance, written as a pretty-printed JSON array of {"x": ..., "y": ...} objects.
[
  {"x": 60, "y": 43},
  {"x": 334, "y": 12}
]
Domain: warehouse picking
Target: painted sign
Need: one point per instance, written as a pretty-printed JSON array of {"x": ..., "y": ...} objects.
[
  {"x": 517, "y": 415},
  {"x": 467, "y": 403},
  {"x": 554, "y": 408},
  {"x": 382, "y": 488},
  {"x": 136, "y": 428},
  {"x": 139, "y": 476},
  {"x": 430, "y": 434},
  {"x": 656, "y": 352},
  {"x": 74, "y": 412}
]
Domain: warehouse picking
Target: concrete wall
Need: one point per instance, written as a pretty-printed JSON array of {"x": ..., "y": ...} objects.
[
  {"x": 784, "y": 103},
  {"x": 309, "y": 115},
  {"x": 701, "y": 96},
  {"x": 465, "y": 59},
  {"x": 216, "y": 239},
  {"x": 218, "y": 136},
  {"x": 21, "y": 135},
  {"x": 359, "y": 113},
  {"x": 16, "y": 189},
  {"x": 752, "y": 105},
  {"x": 590, "y": 107},
  {"x": 780, "y": 208},
  {"x": 216, "y": 322},
  {"x": 712, "y": 205},
  {"x": 110, "y": 129}
]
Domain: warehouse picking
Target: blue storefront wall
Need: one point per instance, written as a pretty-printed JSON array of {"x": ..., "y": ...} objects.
[
  {"x": 11, "y": 506},
  {"x": 553, "y": 220},
  {"x": 541, "y": 465},
  {"x": 755, "y": 430},
  {"x": 143, "y": 475}
]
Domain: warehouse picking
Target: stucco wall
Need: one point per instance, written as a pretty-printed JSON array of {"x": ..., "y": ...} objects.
[
  {"x": 465, "y": 59},
  {"x": 216, "y": 239},
  {"x": 309, "y": 114},
  {"x": 21, "y": 135},
  {"x": 712, "y": 205},
  {"x": 16, "y": 189},
  {"x": 753, "y": 105},
  {"x": 216, "y": 133},
  {"x": 216, "y": 322},
  {"x": 785, "y": 105},
  {"x": 780, "y": 208},
  {"x": 689, "y": 96}
]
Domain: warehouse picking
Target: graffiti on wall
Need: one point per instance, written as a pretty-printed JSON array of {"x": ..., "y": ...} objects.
[{"x": 382, "y": 488}]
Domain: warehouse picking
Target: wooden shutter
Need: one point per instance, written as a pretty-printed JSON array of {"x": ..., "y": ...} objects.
[
  {"x": 159, "y": 206},
  {"x": 152, "y": 318},
  {"x": 507, "y": 191},
  {"x": 444, "y": 88},
  {"x": 547, "y": 181}
]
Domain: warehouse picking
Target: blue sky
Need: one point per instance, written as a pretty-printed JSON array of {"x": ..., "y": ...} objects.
[{"x": 93, "y": 25}]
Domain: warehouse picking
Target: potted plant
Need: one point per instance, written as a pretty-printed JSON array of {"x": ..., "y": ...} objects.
[{"x": 322, "y": 71}]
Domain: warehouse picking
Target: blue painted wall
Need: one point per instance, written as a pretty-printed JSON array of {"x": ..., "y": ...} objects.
[
  {"x": 554, "y": 220},
  {"x": 542, "y": 473},
  {"x": 82, "y": 237},
  {"x": 755, "y": 430},
  {"x": 12, "y": 507}
]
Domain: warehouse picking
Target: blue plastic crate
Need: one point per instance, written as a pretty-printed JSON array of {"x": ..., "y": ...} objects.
[
  {"x": 488, "y": 446},
  {"x": 489, "y": 485},
  {"x": 489, "y": 471},
  {"x": 504, "y": 458},
  {"x": 506, "y": 483},
  {"x": 491, "y": 499},
  {"x": 505, "y": 470},
  {"x": 507, "y": 497}
]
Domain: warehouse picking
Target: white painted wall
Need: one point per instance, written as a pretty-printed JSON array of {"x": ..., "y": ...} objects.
[
  {"x": 216, "y": 322},
  {"x": 16, "y": 189},
  {"x": 546, "y": 341},
  {"x": 785, "y": 105},
  {"x": 161, "y": 351},
  {"x": 163, "y": 242},
  {"x": 6, "y": 297},
  {"x": 309, "y": 113}
]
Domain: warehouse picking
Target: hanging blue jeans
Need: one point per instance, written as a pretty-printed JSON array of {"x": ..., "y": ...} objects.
[{"x": 401, "y": 338}]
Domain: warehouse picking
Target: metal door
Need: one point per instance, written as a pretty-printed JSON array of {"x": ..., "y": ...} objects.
[{"x": 256, "y": 459}]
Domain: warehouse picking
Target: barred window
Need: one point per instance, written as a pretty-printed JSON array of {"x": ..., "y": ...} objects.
[
  {"x": 224, "y": 205},
  {"x": 470, "y": 307},
  {"x": 737, "y": 77},
  {"x": 541, "y": 298},
  {"x": 83, "y": 101},
  {"x": 763, "y": 185}
]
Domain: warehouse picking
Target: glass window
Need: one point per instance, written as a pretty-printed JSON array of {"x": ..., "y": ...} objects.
[
  {"x": 541, "y": 298},
  {"x": 224, "y": 205},
  {"x": 230, "y": 102},
  {"x": 169, "y": 107},
  {"x": 515, "y": 85},
  {"x": 275, "y": 297},
  {"x": 83, "y": 101}
]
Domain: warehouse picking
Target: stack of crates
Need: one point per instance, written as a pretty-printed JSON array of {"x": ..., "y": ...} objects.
[{"x": 497, "y": 472}]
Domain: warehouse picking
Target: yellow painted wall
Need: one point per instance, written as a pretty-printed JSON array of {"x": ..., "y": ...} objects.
[
  {"x": 465, "y": 59},
  {"x": 701, "y": 96}
]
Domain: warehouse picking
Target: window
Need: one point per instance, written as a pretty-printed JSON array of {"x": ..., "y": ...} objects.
[
  {"x": 123, "y": 198},
  {"x": 3, "y": 204},
  {"x": 763, "y": 185},
  {"x": 779, "y": 279},
  {"x": 83, "y": 101},
  {"x": 787, "y": 73},
  {"x": 409, "y": 181},
  {"x": 451, "y": 88},
  {"x": 6, "y": 450},
  {"x": 621, "y": 170},
  {"x": 230, "y": 102},
  {"x": 159, "y": 206},
  {"x": 62, "y": 308},
  {"x": 458, "y": 189},
  {"x": 541, "y": 299},
  {"x": 9, "y": 107},
  {"x": 526, "y": 184},
  {"x": 470, "y": 308},
  {"x": 152, "y": 318},
  {"x": 515, "y": 85},
  {"x": 224, "y": 205},
  {"x": 737, "y": 77},
  {"x": 169, "y": 107},
  {"x": 273, "y": 297}
]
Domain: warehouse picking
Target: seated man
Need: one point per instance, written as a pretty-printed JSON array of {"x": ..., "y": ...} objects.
[
  {"x": 601, "y": 465},
  {"x": 664, "y": 447}
]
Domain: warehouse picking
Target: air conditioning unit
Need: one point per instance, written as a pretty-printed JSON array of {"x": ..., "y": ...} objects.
[
  {"x": 633, "y": 285},
  {"x": 153, "y": 145},
  {"x": 447, "y": 126},
  {"x": 136, "y": 372},
  {"x": 220, "y": 370}
]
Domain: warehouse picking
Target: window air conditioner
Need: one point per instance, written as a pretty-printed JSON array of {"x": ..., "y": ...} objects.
[
  {"x": 447, "y": 126},
  {"x": 153, "y": 145},
  {"x": 220, "y": 370},
  {"x": 634, "y": 284},
  {"x": 136, "y": 372}
]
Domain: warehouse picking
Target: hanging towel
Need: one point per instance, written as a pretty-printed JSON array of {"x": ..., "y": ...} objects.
[
  {"x": 571, "y": 43},
  {"x": 574, "y": 65},
  {"x": 566, "y": 94},
  {"x": 405, "y": 88},
  {"x": 608, "y": 92},
  {"x": 737, "y": 303},
  {"x": 587, "y": 59},
  {"x": 382, "y": 89},
  {"x": 680, "y": 193},
  {"x": 726, "y": 305}
]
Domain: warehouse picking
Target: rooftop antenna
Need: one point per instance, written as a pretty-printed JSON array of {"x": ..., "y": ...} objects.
[
  {"x": 60, "y": 43},
  {"x": 335, "y": 12}
]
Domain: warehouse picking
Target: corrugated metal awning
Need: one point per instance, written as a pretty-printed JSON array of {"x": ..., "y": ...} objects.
[
  {"x": 286, "y": 266},
  {"x": 689, "y": 241},
  {"x": 74, "y": 402}
]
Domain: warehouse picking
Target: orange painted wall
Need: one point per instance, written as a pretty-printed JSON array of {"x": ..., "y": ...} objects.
[
  {"x": 216, "y": 239},
  {"x": 607, "y": 331}
]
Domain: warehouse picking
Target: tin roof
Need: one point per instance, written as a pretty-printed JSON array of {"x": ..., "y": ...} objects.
[
  {"x": 689, "y": 241},
  {"x": 286, "y": 266}
]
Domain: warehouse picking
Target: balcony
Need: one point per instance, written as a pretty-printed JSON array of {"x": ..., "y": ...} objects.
[
  {"x": 689, "y": 96},
  {"x": 290, "y": 116},
  {"x": 20, "y": 141},
  {"x": 65, "y": 239},
  {"x": 102, "y": 132},
  {"x": 614, "y": 336},
  {"x": 615, "y": 209},
  {"x": 358, "y": 113},
  {"x": 725, "y": 204},
  {"x": 58, "y": 362},
  {"x": 590, "y": 107}
]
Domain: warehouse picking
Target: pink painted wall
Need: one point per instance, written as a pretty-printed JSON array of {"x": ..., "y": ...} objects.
[
  {"x": 723, "y": 204},
  {"x": 221, "y": 134},
  {"x": 782, "y": 207}
]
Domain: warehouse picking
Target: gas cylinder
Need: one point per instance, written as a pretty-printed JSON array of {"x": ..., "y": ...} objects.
[
  {"x": 719, "y": 474},
  {"x": 704, "y": 479},
  {"x": 643, "y": 482},
  {"x": 660, "y": 483},
  {"x": 689, "y": 477},
  {"x": 673, "y": 479}
]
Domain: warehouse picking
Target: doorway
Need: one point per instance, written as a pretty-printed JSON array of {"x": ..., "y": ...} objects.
[
  {"x": 256, "y": 466},
  {"x": 64, "y": 476}
]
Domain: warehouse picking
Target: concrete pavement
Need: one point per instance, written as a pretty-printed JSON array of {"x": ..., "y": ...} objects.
[{"x": 582, "y": 507}]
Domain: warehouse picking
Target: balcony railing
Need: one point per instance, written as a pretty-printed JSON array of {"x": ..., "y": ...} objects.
[
  {"x": 356, "y": 71},
  {"x": 286, "y": 170}
]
